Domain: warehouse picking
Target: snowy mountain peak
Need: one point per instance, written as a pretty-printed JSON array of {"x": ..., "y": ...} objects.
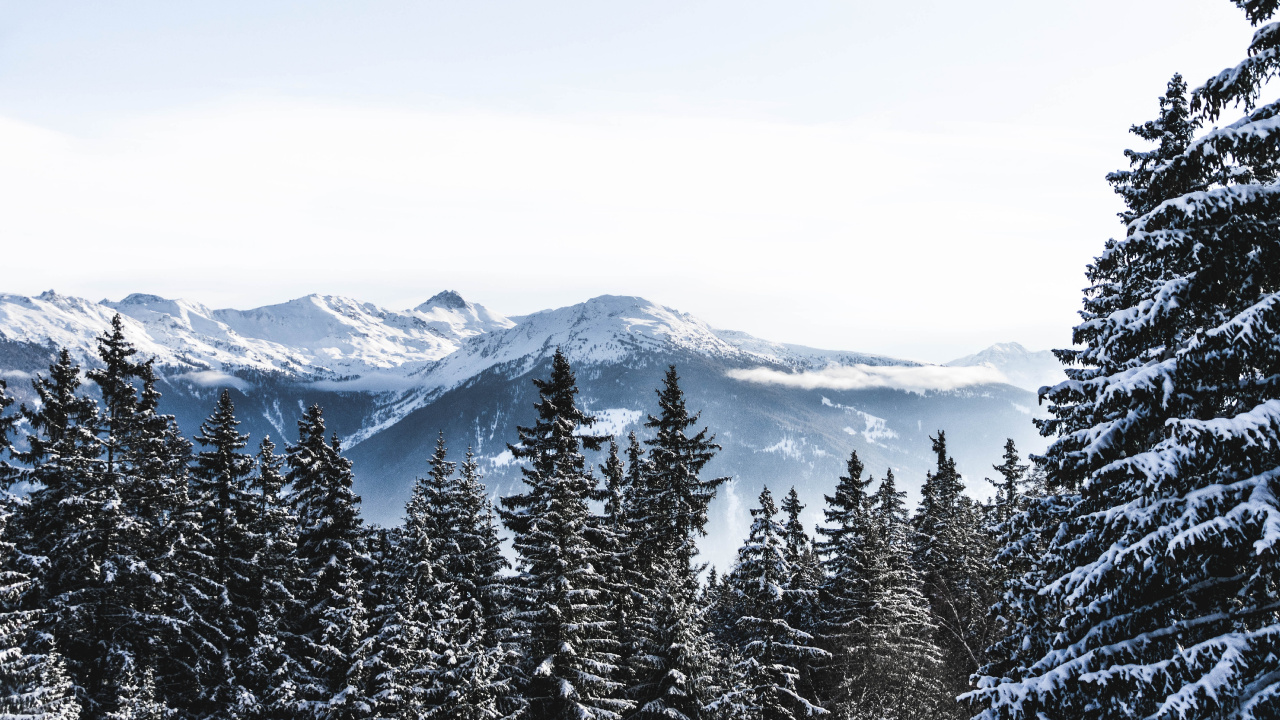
[
  {"x": 1027, "y": 369},
  {"x": 448, "y": 299},
  {"x": 448, "y": 313}
]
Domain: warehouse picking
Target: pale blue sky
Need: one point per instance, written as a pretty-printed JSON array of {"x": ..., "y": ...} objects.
[{"x": 918, "y": 179}]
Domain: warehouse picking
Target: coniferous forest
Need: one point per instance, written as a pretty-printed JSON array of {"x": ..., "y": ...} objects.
[{"x": 151, "y": 571}]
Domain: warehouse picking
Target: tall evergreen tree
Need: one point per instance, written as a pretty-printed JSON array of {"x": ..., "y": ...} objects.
[
  {"x": 331, "y": 628},
  {"x": 669, "y": 513},
  {"x": 771, "y": 649},
  {"x": 953, "y": 552},
  {"x": 1161, "y": 596},
  {"x": 33, "y": 679},
  {"x": 54, "y": 530},
  {"x": 8, "y": 425},
  {"x": 271, "y": 674},
  {"x": 847, "y": 554},
  {"x": 570, "y": 651},
  {"x": 226, "y": 510},
  {"x": 895, "y": 675},
  {"x": 1009, "y": 488}
]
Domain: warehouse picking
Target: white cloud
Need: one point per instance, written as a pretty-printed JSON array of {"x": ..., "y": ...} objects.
[
  {"x": 215, "y": 378},
  {"x": 917, "y": 379}
]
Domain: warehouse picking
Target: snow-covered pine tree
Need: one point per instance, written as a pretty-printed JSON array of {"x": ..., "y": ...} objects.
[
  {"x": 803, "y": 611},
  {"x": 952, "y": 553},
  {"x": 271, "y": 674},
  {"x": 611, "y": 532},
  {"x": 1009, "y": 488},
  {"x": 33, "y": 679},
  {"x": 476, "y": 570},
  {"x": 330, "y": 629},
  {"x": 771, "y": 649},
  {"x": 570, "y": 652},
  {"x": 669, "y": 512},
  {"x": 162, "y": 554},
  {"x": 451, "y": 664},
  {"x": 846, "y": 552},
  {"x": 226, "y": 512},
  {"x": 896, "y": 666},
  {"x": 384, "y": 586},
  {"x": 137, "y": 698},
  {"x": 8, "y": 425},
  {"x": 1169, "y": 431},
  {"x": 53, "y": 530}
]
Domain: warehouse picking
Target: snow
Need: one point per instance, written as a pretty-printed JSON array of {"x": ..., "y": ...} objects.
[
  {"x": 1021, "y": 367},
  {"x": 613, "y": 421}
]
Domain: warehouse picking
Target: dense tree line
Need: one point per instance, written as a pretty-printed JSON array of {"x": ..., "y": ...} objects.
[{"x": 148, "y": 576}]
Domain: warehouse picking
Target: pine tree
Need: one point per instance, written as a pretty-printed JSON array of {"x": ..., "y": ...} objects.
[
  {"x": 33, "y": 680},
  {"x": 8, "y": 424},
  {"x": 1009, "y": 488},
  {"x": 384, "y": 589},
  {"x": 847, "y": 555},
  {"x": 570, "y": 652},
  {"x": 897, "y": 664},
  {"x": 161, "y": 555},
  {"x": 330, "y": 630},
  {"x": 271, "y": 674},
  {"x": 612, "y": 535},
  {"x": 669, "y": 512},
  {"x": 52, "y": 531},
  {"x": 771, "y": 649},
  {"x": 138, "y": 700},
  {"x": 1161, "y": 591},
  {"x": 802, "y": 609},
  {"x": 226, "y": 510},
  {"x": 953, "y": 553}
]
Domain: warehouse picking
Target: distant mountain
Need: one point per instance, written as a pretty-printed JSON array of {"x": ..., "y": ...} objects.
[
  {"x": 390, "y": 380},
  {"x": 1027, "y": 369}
]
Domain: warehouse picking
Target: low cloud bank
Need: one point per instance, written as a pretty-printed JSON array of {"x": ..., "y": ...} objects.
[{"x": 917, "y": 379}]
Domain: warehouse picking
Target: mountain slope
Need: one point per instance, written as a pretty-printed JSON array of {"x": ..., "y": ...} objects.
[
  {"x": 1029, "y": 370},
  {"x": 390, "y": 380}
]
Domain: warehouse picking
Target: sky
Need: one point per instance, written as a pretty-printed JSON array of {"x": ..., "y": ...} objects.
[{"x": 915, "y": 179}]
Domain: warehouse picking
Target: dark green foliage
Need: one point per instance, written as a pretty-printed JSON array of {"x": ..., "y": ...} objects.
[
  {"x": 329, "y": 632},
  {"x": 772, "y": 651},
  {"x": 1156, "y": 593},
  {"x": 953, "y": 553},
  {"x": 561, "y": 622},
  {"x": 227, "y": 514}
]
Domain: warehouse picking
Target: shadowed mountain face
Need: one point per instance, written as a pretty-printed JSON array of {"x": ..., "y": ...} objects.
[{"x": 784, "y": 414}]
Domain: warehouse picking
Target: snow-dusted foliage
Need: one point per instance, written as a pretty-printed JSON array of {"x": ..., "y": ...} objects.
[
  {"x": 331, "y": 642},
  {"x": 1156, "y": 593},
  {"x": 666, "y": 506},
  {"x": 772, "y": 651},
  {"x": 560, "y": 619}
]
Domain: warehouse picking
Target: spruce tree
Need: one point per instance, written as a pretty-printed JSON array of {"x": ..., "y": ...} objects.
[
  {"x": 8, "y": 424},
  {"x": 1009, "y": 488},
  {"x": 669, "y": 512},
  {"x": 896, "y": 668},
  {"x": 226, "y": 514},
  {"x": 330, "y": 630},
  {"x": 771, "y": 649},
  {"x": 847, "y": 554},
  {"x": 570, "y": 652},
  {"x": 33, "y": 679},
  {"x": 1161, "y": 592},
  {"x": 953, "y": 553},
  {"x": 53, "y": 531},
  {"x": 271, "y": 673}
]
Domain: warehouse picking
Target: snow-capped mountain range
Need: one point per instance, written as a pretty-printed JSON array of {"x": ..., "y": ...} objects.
[{"x": 390, "y": 379}]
